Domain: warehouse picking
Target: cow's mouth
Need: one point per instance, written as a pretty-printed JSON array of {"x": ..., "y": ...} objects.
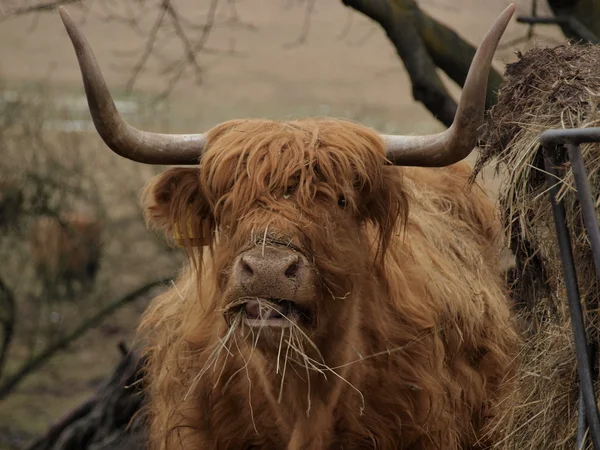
[{"x": 273, "y": 312}]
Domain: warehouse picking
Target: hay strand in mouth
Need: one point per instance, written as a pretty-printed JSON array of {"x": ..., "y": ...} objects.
[
  {"x": 296, "y": 342},
  {"x": 216, "y": 354}
]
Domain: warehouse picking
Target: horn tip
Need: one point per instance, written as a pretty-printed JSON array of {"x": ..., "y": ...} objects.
[
  {"x": 510, "y": 9},
  {"x": 64, "y": 15}
]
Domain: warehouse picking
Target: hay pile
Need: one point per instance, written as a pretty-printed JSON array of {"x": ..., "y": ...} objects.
[{"x": 546, "y": 88}]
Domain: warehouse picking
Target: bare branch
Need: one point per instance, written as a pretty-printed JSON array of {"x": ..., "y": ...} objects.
[
  {"x": 578, "y": 19},
  {"x": 187, "y": 46},
  {"x": 45, "y": 441},
  {"x": 147, "y": 50},
  {"x": 178, "y": 69},
  {"x": 44, "y": 7},
  {"x": 576, "y": 27},
  {"x": 8, "y": 320},
  {"x": 310, "y": 5},
  {"x": 427, "y": 87},
  {"x": 41, "y": 358},
  {"x": 235, "y": 17},
  {"x": 449, "y": 51},
  {"x": 424, "y": 44},
  {"x": 113, "y": 411},
  {"x": 159, "y": 34}
]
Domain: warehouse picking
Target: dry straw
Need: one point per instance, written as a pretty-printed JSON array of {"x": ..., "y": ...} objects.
[{"x": 546, "y": 88}]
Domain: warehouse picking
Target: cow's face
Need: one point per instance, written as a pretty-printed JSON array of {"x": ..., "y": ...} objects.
[{"x": 285, "y": 208}]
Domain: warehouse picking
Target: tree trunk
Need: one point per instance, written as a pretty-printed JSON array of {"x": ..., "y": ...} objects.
[
  {"x": 424, "y": 44},
  {"x": 586, "y": 13},
  {"x": 109, "y": 420}
]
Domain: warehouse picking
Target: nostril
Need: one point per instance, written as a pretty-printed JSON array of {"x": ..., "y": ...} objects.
[
  {"x": 246, "y": 267},
  {"x": 292, "y": 270}
]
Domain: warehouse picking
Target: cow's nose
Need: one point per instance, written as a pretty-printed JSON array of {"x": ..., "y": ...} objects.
[
  {"x": 273, "y": 272},
  {"x": 285, "y": 267}
]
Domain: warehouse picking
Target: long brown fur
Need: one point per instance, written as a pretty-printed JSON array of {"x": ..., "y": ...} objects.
[{"x": 414, "y": 345}]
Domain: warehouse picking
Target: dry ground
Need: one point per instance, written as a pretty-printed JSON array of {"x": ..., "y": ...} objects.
[{"x": 356, "y": 77}]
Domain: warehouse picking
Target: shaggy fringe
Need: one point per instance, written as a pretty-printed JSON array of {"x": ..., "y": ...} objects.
[{"x": 416, "y": 283}]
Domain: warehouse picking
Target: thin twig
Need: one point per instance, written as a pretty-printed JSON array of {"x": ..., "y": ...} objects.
[
  {"x": 147, "y": 50},
  {"x": 310, "y": 5},
  {"x": 179, "y": 68},
  {"x": 44, "y": 7},
  {"x": 187, "y": 46}
]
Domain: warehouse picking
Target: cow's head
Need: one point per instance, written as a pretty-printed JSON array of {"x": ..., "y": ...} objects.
[{"x": 283, "y": 206}]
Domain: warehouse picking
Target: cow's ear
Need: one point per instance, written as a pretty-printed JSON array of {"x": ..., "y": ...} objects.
[{"x": 174, "y": 203}]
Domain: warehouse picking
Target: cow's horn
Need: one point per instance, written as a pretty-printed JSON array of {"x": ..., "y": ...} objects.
[
  {"x": 122, "y": 138},
  {"x": 458, "y": 141}
]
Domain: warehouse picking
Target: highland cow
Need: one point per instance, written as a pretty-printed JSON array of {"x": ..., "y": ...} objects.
[
  {"x": 334, "y": 298},
  {"x": 66, "y": 251}
]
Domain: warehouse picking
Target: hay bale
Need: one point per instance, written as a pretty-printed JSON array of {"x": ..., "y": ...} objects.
[{"x": 546, "y": 88}]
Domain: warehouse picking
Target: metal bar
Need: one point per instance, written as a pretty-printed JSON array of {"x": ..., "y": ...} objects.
[
  {"x": 576, "y": 27},
  {"x": 577, "y": 324},
  {"x": 590, "y": 219},
  {"x": 550, "y": 20},
  {"x": 570, "y": 136},
  {"x": 581, "y": 419},
  {"x": 588, "y": 209},
  {"x": 581, "y": 422}
]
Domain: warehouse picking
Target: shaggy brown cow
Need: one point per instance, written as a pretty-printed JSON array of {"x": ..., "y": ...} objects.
[
  {"x": 66, "y": 252},
  {"x": 334, "y": 299}
]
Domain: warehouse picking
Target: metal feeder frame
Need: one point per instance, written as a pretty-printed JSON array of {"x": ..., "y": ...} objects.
[{"x": 553, "y": 143}]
